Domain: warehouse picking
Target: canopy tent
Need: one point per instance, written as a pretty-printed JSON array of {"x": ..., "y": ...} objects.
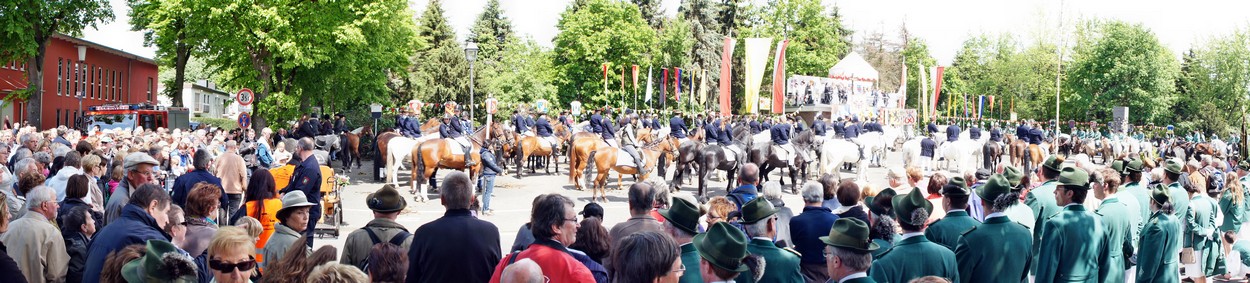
[{"x": 853, "y": 67}]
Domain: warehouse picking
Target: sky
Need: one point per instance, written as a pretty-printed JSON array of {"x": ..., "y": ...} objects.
[{"x": 944, "y": 25}]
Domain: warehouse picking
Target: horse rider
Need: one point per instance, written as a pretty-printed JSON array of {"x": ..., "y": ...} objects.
[
  {"x": 453, "y": 129},
  {"x": 543, "y": 128},
  {"x": 677, "y": 127},
  {"x": 1036, "y": 135},
  {"x": 327, "y": 125},
  {"x": 563, "y": 119},
  {"x": 529, "y": 121},
  {"x": 974, "y": 132},
  {"x": 629, "y": 141},
  {"x": 996, "y": 134},
  {"x": 839, "y": 128},
  {"x": 655, "y": 121},
  {"x": 875, "y": 126},
  {"x": 404, "y": 123},
  {"x": 521, "y": 124},
  {"x": 712, "y": 130},
  {"x": 596, "y": 122},
  {"x": 466, "y": 124},
  {"x": 851, "y": 130},
  {"x": 340, "y": 124},
  {"x": 952, "y": 133},
  {"x": 819, "y": 128},
  {"x": 754, "y": 125},
  {"x": 780, "y": 134},
  {"x": 699, "y": 121},
  {"x": 307, "y": 128}
]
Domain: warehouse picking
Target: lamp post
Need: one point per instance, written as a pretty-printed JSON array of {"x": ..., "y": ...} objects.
[
  {"x": 82, "y": 58},
  {"x": 470, "y": 53}
]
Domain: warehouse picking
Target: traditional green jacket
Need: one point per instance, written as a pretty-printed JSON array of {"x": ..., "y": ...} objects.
[
  {"x": 913, "y": 258},
  {"x": 946, "y": 231},
  {"x": 1160, "y": 241},
  {"x": 780, "y": 265},
  {"x": 1234, "y": 214},
  {"x": 1180, "y": 200},
  {"x": 991, "y": 252},
  {"x": 1140, "y": 193},
  {"x": 689, "y": 258},
  {"x": 1073, "y": 241},
  {"x": 1042, "y": 201},
  {"x": 1201, "y": 233},
  {"x": 1118, "y": 229}
]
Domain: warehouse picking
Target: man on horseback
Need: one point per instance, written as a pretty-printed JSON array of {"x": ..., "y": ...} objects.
[
  {"x": 629, "y": 141},
  {"x": 851, "y": 132},
  {"x": 819, "y": 127},
  {"x": 677, "y": 127},
  {"x": 596, "y": 122},
  {"x": 780, "y": 134},
  {"x": 543, "y": 128},
  {"x": 952, "y": 133},
  {"x": 307, "y": 128},
  {"x": 452, "y": 128},
  {"x": 408, "y": 125},
  {"x": 521, "y": 124}
]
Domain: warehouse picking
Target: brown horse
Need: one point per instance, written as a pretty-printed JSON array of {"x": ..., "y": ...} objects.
[
  {"x": 605, "y": 159},
  {"x": 352, "y": 151},
  {"x": 379, "y": 160},
  {"x": 580, "y": 146},
  {"x": 431, "y": 155},
  {"x": 993, "y": 153},
  {"x": 531, "y": 146},
  {"x": 1019, "y": 150},
  {"x": 431, "y": 126},
  {"x": 1035, "y": 157}
]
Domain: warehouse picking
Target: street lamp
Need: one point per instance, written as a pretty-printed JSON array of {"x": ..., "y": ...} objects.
[
  {"x": 82, "y": 57},
  {"x": 470, "y": 53}
]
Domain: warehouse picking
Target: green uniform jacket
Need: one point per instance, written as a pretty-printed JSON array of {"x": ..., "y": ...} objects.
[
  {"x": 689, "y": 258},
  {"x": 1042, "y": 201},
  {"x": 885, "y": 245},
  {"x": 1117, "y": 228},
  {"x": 990, "y": 252},
  {"x": 913, "y": 258},
  {"x": 1234, "y": 214},
  {"x": 1073, "y": 241},
  {"x": 1200, "y": 232},
  {"x": 860, "y": 280},
  {"x": 1180, "y": 201},
  {"x": 1142, "y": 195},
  {"x": 946, "y": 231},
  {"x": 779, "y": 265},
  {"x": 1160, "y": 258}
]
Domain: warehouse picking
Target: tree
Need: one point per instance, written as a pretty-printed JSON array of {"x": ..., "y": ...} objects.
[
  {"x": 441, "y": 71},
  {"x": 601, "y": 31},
  {"x": 886, "y": 56},
  {"x": 650, "y": 11},
  {"x": 492, "y": 32},
  {"x": 433, "y": 27},
  {"x": 730, "y": 15},
  {"x": 26, "y": 27},
  {"x": 175, "y": 28},
  {"x": 1213, "y": 85},
  {"x": 523, "y": 75},
  {"x": 701, "y": 15},
  {"x": 1120, "y": 64}
]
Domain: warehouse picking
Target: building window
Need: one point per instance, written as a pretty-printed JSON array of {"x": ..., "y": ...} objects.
[
  {"x": 58, "y": 116},
  {"x": 150, "y": 87},
  {"x": 60, "y": 73}
]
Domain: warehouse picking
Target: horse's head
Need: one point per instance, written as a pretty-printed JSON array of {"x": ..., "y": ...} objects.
[{"x": 366, "y": 131}]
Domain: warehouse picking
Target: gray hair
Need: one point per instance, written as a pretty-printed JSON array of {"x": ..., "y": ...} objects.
[
  {"x": 43, "y": 157},
  {"x": 522, "y": 271},
  {"x": 813, "y": 192},
  {"x": 23, "y": 165},
  {"x": 757, "y": 229},
  {"x": 772, "y": 190},
  {"x": 856, "y": 261},
  {"x": 457, "y": 191},
  {"x": 73, "y": 159},
  {"x": 39, "y": 195},
  {"x": 305, "y": 144},
  {"x": 200, "y": 159}
]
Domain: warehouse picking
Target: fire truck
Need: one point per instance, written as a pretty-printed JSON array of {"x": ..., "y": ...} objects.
[{"x": 131, "y": 116}]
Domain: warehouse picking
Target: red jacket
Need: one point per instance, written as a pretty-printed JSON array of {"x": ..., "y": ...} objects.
[{"x": 556, "y": 263}]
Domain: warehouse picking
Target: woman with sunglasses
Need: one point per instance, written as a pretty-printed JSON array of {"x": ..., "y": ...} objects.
[{"x": 230, "y": 255}]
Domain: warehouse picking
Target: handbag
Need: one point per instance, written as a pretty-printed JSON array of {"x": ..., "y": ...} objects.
[{"x": 1187, "y": 256}]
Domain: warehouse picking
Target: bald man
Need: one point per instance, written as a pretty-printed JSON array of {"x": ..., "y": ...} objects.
[{"x": 522, "y": 271}]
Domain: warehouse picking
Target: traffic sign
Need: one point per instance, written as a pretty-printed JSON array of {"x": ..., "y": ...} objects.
[
  {"x": 245, "y": 120},
  {"x": 541, "y": 105},
  {"x": 415, "y": 106},
  {"x": 245, "y": 97},
  {"x": 492, "y": 105}
]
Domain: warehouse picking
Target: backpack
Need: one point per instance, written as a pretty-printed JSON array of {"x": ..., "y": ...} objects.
[{"x": 397, "y": 240}]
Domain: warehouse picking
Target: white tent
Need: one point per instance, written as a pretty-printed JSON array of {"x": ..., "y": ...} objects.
[{"x": 853, "y": 67}]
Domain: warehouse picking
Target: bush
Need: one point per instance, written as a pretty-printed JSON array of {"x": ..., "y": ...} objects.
[{"x": 223, "y": 123}]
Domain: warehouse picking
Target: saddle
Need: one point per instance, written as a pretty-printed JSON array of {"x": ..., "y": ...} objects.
[
  {"x": 624, "y": 159},
  {"x": 787, "y": 151},
  {"x": 461, "y": 141},
  {"x": 731, "y": 151}
]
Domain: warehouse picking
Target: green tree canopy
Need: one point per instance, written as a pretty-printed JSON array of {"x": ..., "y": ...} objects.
[
  {"x": 601, "y": 31},
  {"x": 1119, "y": 64}
]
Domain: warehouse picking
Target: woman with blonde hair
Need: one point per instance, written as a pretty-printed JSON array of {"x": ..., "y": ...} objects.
[
  {"x": 230, "y": 255},
  {"x": 718, "y": 209}
]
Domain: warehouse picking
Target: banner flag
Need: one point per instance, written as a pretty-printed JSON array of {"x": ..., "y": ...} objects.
[
  {"x": 649, "y": 87},
  {"x": 902, "y": 89},
  {"x": 635, "y": 71},
  {"x": 605, "y": 78},
  {"x": 756, "y": 61},
  {"x": 703, "y": 89},
  {"x": 926, "y": 104},
  {"x": 677, "y": 81},
  {"x": 937, "y": 84},
  {"x": 980, "y": 105},
  {"x": 726, "y": 60},
  {"x": 664, "y": 88},
  {"x": 779, "y": 77}
]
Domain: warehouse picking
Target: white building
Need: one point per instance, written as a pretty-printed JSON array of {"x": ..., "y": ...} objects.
[{"x": 203, "y": 99}]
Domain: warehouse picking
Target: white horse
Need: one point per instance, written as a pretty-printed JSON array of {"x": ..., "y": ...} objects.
[
  {"x": 911, "y": 154},
  {"x": 874, "y": 146},
  {"x": 398, "y": 149},
  {"x": 836, "y": 152}
]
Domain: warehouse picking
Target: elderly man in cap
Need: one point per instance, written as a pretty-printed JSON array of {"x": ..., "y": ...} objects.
[
  {"x": 848, "y": 251},
  {"x": 806, "y": 230},
  {"x": 782, "y": 265},
  {"x": 723, "y": 253},
  {"x": 914, "y": 256},
  {"x": 140, "y": 169},
  {"x": 386, "y": 204},
  {"x": 456, "y": 247},
  {"x": 682, "y": 222},
  {"x": 1042, "y": 199},
  {"x": 1160, "y": 235},
  {"x": 1074, "y": 237},
  {"x": 946, "y": 231},
  {"x": 1002, "y": 261}
]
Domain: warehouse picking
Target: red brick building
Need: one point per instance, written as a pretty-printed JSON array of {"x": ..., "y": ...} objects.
[{"x": 105, "y": 76}]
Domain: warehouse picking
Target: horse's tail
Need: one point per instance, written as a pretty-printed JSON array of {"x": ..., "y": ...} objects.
[
  {"x": 590, "y": 167},
  {"x": 418, "y": 165}
]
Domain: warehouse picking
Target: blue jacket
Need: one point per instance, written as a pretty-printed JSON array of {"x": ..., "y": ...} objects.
[
  {"x": 466, "y": 127},
  {"x": 806, "y": 230},
  {"x": 851, "y": 131},
  {"x": 307, "y": 178},
  {"x": 1036, "y": 136},
  {"x": 713, "y": 131},
  {"x": 755, "y": 126},
  {"x": 519, "y": 123},
  {"x": 743, "y": 194},
  {"x": 607, "y": 131},
  {"x": 927, "y": 147},
  {"x": 974, "y": 132},
  {"x": 819, "y": 128},
  {"x": 932, "y": 127},
  {"x": 183, "y": 185},
  {"x": 952, "y": 133},
  {"x": 677, "y": 127},
  {"x": 996, "y": 134},
  {"x": 447, "y": 130},
  {"x": 542, "y": 128},
  {"x": 655, "y": 123},
  {"x": 596, "y": 123},
  {"x": 490, "y": 168},
  {"x": 873, "y": 127},
  {"x": 134, "y": 226},
  {"x": 780, "y": 134},
  {"x": 263, "y": 155},
  {"x": 726, "y": 134},
  {"x": 1023, "y": 132}
]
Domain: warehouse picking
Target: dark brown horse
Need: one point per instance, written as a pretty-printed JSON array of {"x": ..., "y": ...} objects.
[
  {"x": 380, "y": 143},
  {"x": 431, "y": 155},
  {"x": 351, "y": 151},
  {"x": 993, "y": 154}
]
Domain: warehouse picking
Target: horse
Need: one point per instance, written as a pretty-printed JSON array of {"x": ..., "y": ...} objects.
[
  {"x": 380, "y": 161},
  {"x": 874, "y": 145},
  {"x": 580, "y": 146},
  {"x": 605, "y": 158},
  {"x": 767, "y": 159},
  {"x": 836, "y": 152},
  {"x": 531, "y": 146},
  {"x": 993, "y": 154},
  {"x": 1019, "y": 152},
  {"x": 399, "y": 147},
  {"x": 709, "y": 157},
  {"x": 352, "y": 150},
  {"x": 430, "y": 155}
]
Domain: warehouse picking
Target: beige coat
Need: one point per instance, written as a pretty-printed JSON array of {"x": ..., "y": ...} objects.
[
  {"x": 232, "y": 171},
  {"x": 38, "y": 248}
]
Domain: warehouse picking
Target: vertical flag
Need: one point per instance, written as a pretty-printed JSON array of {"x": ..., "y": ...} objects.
[
  {"x": 635, "y": 71},
  {"x": 926, "y": 104},
  {"x": 663, "y": 88},
  {"x": 779, "y": 77},
  {"x": 937, "y": 84},
  {"x": 703, "y": 89},
  {"x": 980, "y": 105},
  {"x": 622, "y": 79},
  {"x": 677, "y": 82},
  {"x": 605, "y": 78},
  {"x": 726, "y": 59},
  {"x": 650, "y": 90},
  {"x": 902, "y": 89},
  {"x": 756, "y": 62}
]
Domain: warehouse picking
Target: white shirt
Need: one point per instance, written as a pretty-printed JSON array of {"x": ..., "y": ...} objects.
[
  {"x": 856, "y": 275},
  {"x": 996, "y": 214},
  {"x": 909, "y": 235}
]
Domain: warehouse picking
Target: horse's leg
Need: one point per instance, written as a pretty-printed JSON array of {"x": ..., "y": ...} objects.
[{"x": 519, "y": 159}]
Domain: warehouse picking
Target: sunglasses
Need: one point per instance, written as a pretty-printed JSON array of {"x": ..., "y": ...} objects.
[{"x": 218, "y": 265}]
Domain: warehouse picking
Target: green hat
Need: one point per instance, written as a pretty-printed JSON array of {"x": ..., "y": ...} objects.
[
  {"x": 1054, "y": 162},
  {"x": 1244, "y": 166},
  {"x": 1159, "y": 194},
  {"x": 756, "y": 210},
  {"x": 1014, "y": 177},
  {"x": 1174, "y": 166},
  {"x": 683, "y": 215},
  {"x": 723, "y": 246},
  {"x": 1073, "y": 178},
  {"x": 996, "y": 186},
  {"x": 1133, "y": 166},
  {"x": 386, "y": 200},
  {"x": 956, "y": 186},
  {"x": 850, "y": 233},
  {"x": 880, "y": 204},
  {"x": 161, "y": 262},
  {"x": 906, "y": 204},
  {"x": 1118, "y": 165}
]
